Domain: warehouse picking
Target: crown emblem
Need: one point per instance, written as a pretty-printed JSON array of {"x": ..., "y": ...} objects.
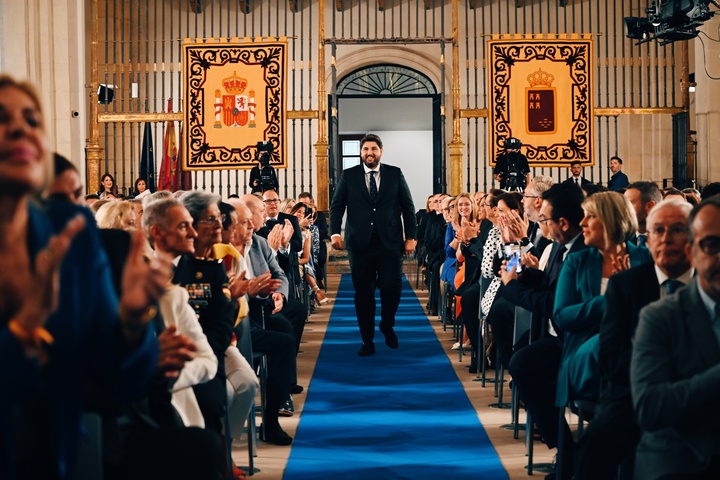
[
  {"x": 540, "y": 78},
  {"x": 235, "y": 85}
]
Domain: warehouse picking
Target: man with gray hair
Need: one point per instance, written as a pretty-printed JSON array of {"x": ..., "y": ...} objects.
[
  {"x": 532, "y": 201},
  {"x": 675, "y": 364},
  {"x": 171, "y": 229}
]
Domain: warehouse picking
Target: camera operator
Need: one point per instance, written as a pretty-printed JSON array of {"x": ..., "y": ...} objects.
[
  {"x": 512, "y": 169},
  {"x": 262, "y": 176}
]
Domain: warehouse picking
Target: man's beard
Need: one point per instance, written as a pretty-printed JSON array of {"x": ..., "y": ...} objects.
[{"x": 371, "y": 161}]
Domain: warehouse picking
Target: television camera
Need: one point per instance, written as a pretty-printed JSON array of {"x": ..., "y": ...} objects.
[
  {"x": 515, "y": 176},
  {"x": 268, "y": 178},
  {"x": 669, "y": 20}
]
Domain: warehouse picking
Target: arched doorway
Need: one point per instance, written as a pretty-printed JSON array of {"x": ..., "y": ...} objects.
[{"x": 401, "y": 105}]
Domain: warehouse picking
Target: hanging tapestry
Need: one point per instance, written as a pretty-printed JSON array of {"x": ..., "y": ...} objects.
[
  {"x": 541, "y": 94},
  {"x": 234, "y": 97}
]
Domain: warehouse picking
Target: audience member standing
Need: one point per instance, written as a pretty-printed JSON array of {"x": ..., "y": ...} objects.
[
  {"x": 380, "y": 227},
  {"x": 576, "y": 176},
  {"x": 618, "y": 180}
]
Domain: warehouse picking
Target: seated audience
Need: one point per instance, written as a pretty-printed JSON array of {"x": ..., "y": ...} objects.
[
  {"x": 59, "y": 308},
  {"x": 675, "y": 366},
  {"x": 612, "y": 436}
]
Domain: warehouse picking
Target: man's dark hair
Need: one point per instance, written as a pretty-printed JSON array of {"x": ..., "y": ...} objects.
[
  {"x": 649, "y": 191},
  {"x": 714, "y": 201},
  {"x": 308, "y": 194},
  {"x": 226, "y": 209},
  {"x": 575, "y": 162},
  {"x": 92, "y": 196},
  {"x": 62, "y": 165},
  {"x": 593, "y": 188},
  {"x": 566, "y": 201},
  {"x": 233, "y": 195},
  {"x": 371, "y": 137},
  {"x": 674, "y": 191},
  {"x": 711, "y": 189},
  {"x": 617, "y": 158}
]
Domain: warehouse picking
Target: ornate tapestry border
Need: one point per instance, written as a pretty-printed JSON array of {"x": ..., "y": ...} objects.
[{"x": 573, "y": 56}]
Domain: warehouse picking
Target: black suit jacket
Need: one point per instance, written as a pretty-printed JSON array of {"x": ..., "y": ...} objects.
[
  {"x": 583, "y": 181},
  {"x": 394, "y": 202},
  {"x": 535, "y": 289},
  {"x": 288, "y": 261},
  {"x": 627, "y": 293}
]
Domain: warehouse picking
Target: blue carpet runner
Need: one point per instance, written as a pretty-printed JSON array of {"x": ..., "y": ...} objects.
[{"x": 399, "y": 414}]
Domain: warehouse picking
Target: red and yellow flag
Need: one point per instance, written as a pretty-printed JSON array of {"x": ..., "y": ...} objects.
[{"x": 170, "y": 157}]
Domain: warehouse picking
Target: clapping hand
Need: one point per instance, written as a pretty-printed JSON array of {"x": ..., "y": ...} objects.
[
  {"x": 175, "y": 350},
  {"x": 40, "y": 297},
  {"x": 239, "y": 286}
]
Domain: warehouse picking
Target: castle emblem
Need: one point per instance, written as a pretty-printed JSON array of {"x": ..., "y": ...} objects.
[{"x": 541, "y": 103}]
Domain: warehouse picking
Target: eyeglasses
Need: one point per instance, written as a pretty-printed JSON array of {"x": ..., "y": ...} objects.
[
  {"x": 272, "y": 200},
  {"x": 212, "y": 220},
  {"x": 710, "y": 245},
  {"x": 674, "y": 231},
  {"x": 531, "y": 196},
  {"x": 543, "y": 220}
]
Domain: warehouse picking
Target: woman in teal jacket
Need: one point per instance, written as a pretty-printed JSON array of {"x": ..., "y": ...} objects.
[{"x": 580, "y": 295}]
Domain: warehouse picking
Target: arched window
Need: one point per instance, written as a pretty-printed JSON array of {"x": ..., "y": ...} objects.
[{"x": 385, "y": 80}]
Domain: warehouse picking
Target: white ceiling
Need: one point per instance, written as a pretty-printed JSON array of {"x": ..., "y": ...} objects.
[{"x": 384, "y": 114}]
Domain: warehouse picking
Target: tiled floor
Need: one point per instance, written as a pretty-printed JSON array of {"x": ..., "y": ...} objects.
[{"x": 271, "y": 460}]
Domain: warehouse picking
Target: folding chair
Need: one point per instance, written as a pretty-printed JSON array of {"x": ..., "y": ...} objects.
[{"x": 259, "y": 362}]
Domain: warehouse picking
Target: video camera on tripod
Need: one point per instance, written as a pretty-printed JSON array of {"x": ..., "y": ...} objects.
[
  {"x": 268, "y": 178},
  {"x": 515, "y": 176}
]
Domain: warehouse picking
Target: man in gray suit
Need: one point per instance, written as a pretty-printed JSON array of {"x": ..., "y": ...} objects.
[{"x": 675, "y": 368}]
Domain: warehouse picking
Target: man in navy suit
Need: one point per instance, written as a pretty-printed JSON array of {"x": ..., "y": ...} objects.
[
  {"x": 380, "y": 227},
  {"x": 619, "y": 179},
  {"x": 534, "y": 368}
]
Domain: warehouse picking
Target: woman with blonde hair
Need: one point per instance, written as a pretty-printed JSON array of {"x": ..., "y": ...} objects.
[
  {"x": 120, "y": 215},
  {"x": 580, "y": 295}
]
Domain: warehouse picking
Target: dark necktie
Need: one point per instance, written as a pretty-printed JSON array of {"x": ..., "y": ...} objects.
[
  {"x": 671, "y": 286},
  {"x": 373, "y": 187},
  {"x": 642, "y": 241},
  {"x": 577, "y": 182},
  {"x": 554, "y": 270}
]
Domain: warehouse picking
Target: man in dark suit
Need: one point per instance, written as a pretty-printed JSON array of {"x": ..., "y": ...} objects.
[
  {"x": 643, "y": 196},
  {"x": 380, "y": 227},
  {"x": 534, "y": 368},
  {"x": 619, "y": 179},
  {"x": 287, "y": 253},
  {"x": 576, "y": 178},
  {"x": 675, "y": 366},
  {"x": 613, "y": 434}
]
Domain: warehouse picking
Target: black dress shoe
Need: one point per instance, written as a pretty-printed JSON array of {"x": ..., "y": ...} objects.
[
  {"x": 295, "y": 389},
  {"x": 367, "y": 349},
  {"x": 276, "y": 435},
  {"x": 391, "y": 340}
]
